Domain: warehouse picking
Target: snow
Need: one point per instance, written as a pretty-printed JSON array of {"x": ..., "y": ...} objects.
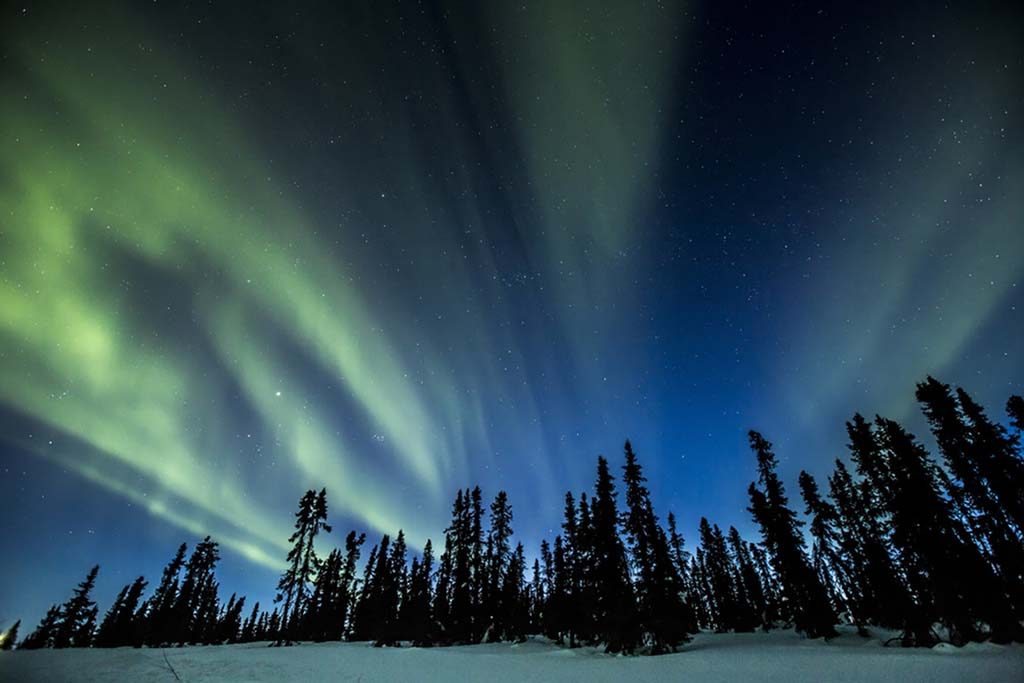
[{"x": 779, "y": 656}]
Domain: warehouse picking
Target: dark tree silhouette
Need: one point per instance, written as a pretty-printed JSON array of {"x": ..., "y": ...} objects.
[
  {"x": 43, "y": 634},
  {"x": 160, "y": 617},
  {"x": 119, "y": 625},
  {"x": 303, "y": 563},
  {"x": 416, "y": 613},
  {"x": 877, "y": 593},
  {"x": 496, "y": 565},
  {"x": 830, "y": 566},
  {"x": 195, "y": 609},
  {"x": 806, "y": 599},
  {"x": 1015, "y": 411},
  {"x": 663, "y": 612},
  {"x": 946, "y": 571},
  {"x": 617, "y": 623},
  {"x": 10, "y": 636},
  {"x": 78, "y": 615},
  {"x": 750, "y": 589}
]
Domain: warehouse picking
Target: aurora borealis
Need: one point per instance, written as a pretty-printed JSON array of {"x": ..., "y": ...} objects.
[{"x": 396, "y": 250}]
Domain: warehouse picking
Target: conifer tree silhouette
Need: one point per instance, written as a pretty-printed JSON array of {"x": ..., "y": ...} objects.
[
  {"x": 10, "y": 636},
  {"x": 825, "y": 558},
  {"x": 78, "y": 615},
  {"x": 749, "y": 589},
  {"x": 196, "y": 605},
  {"x": 616, "y": 619},
  {"x": 303, "y": 563},
  {"x": 663, "y": 614},
  {"x": 160, "y": 616},
  {"x": 119, "y": 623},
  {"x": 806, "y": 598},
  {"x": 43, "y": 634}
]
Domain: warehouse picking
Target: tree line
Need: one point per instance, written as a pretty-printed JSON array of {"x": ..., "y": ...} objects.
[{"x": 933, "y": 550}]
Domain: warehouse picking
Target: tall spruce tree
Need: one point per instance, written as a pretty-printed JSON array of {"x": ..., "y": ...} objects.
[
  {"x": 416, "y": 612},
  {"x": 572, "y": 612},
  {"x": 477, "y": 621},
  {"x": 160, "y": 616},
  {"x": 877, "y": 594},
  {"x": 663, "y": 613},
  {"x": 825, "y": 556},
  {"x": 807, "y": 599},
  {"x": 953, "y": 582},
  {"x": 119, "y": 624},
  {"x": 442, "y": 602},
  {"x": 617, "y": 621},
  {"x": 1000, "y": 457},
  {"x": 248, "y": 633},
  {"x": 732, "y": 611},
  {"x": 229, "y": 626},
  {"x": 538, "y": 596},
  {"x": 750, "y": 590},
  {"x": 989, "y": 478},
  {"x": 195, "y": 608},
  {"x": 77, "y": 615},
  {"x": 334, "y": 592},
  {"x": 496, "y": 566},
  {"x": 294, "y": 587},
  {"x": 513, "y": 598}
]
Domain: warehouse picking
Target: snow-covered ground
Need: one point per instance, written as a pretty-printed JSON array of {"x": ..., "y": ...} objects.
[{"x": 780, "y": 656}]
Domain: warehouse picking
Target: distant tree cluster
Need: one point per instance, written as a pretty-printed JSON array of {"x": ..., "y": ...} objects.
[{"x": 934, "y": 551}]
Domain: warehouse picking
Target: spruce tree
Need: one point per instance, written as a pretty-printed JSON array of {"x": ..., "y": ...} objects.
[
  {"x": 365, "y": 616},
  {"x": 160, "y": 615},
  {"x": 571, "y": 609},
  {"x": 877, "y": 592},
  {"x": 459, "y": 628},
  {"x": 393, "y": 592},
  {"x": 194, "y": 610},
  {"x": 720, "y": 573},
  {"x": 1015, "y": 411},
  {"x": 807, "y": 598},
  {"x": 681, "y": 562},
  {"x": 953, "y": 582},
  {"x": 663, "y": 613},
  {"x": 442, "y": 599},
  {"x": 560, "y": 598},
  {"x": 498, "y": 557},
  {"x": 119, "y": 624},
  {"x": 248, "y": 633},
  {"x": 538, "y": 596},
  {"x": 319, "y": 619},
  {"x": 825, "y": 557},
  {"x": 750, "y": 590},
  {"x": 10, "y": 636},
  {"x": 77, "y": 615},
  {"x": 105, "y": 632},
  {"x": 303, "y": 563},
  {"x": 989, "y": 477},
  {"x": 1000, "y": 456},
  {"x": 43, "y": 634},
  {"x": 708, "y": 606},
  {"x": 770, "y": 584},
  {"x": 617, "y": 622},
  {"x": 416, "y": 611},
  {"x": 513, "y": 598}
]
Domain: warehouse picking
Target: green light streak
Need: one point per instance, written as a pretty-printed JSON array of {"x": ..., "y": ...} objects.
[{"x": 99, "y": 160}]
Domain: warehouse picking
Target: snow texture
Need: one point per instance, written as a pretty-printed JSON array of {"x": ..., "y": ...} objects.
[{"x": 779, "y": 656}]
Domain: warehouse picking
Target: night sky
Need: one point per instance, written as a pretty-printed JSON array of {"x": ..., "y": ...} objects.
[{"x": 246, "y": 251}]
